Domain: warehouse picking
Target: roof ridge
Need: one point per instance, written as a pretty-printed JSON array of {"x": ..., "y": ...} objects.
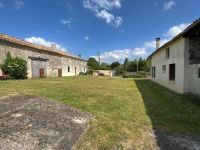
[{"x": 36, "y": 46}]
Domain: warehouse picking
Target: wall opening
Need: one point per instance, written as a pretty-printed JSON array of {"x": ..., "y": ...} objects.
[{"x": 172, "y": 72}]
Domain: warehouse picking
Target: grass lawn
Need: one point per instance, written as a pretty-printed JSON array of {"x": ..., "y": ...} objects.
[{"x": 126, "y": 111}]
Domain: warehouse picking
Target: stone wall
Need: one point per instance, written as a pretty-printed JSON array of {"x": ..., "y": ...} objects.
[{"x": 55, "y": 61}]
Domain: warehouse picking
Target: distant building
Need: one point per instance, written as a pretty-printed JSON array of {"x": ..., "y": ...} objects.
[
  {"x": 176, "y": 65},
  {"x": 42, "y": 61}
]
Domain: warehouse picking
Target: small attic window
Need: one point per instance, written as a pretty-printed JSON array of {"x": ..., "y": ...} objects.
[{"x": 167, "y": 52}]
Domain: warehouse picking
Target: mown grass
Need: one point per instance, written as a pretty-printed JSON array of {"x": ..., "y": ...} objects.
[{"x": 125, "y": 110}]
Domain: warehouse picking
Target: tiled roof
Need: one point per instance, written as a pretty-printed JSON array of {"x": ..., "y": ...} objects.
[
  {"x": 177, "y": 37},
  {"x": 8, "y": 38}
]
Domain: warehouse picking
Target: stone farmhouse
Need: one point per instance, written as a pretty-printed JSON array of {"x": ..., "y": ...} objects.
[
  {"x": 42, "y": 61},
  {"x": 176, "y": 64}
]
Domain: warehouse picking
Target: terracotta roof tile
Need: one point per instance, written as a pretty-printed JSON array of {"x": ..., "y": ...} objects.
[{"x": 35, "y": 46}]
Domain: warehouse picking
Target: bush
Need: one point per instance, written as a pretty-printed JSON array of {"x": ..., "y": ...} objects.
[
  {"x": 137, "y": 75},
  {"x": 82, "y": 73},
  {"x": 89, "y": 72},
  {"x": 16, "y": 67}
]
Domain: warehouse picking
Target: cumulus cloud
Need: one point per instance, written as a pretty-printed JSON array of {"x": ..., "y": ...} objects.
[
  {"x": 120, "y": 55},
  {"x": 169, "y": 4},
  {"x": 101, "y": 9},
  {"x": 95, "y": 5},
  {"x": 143, "y": 51},
  {"x": 43, "y": 42},
  {"x": 110, "y": 18},
  {"x": 18, "y": 4},
  {"x": 175, "y": 30},
  {"x": 171, "y": 33}
]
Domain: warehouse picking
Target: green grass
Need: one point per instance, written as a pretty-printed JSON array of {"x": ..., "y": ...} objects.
[{"x": 125, "y": 111}]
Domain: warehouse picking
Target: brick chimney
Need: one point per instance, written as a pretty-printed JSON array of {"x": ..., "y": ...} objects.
[
  {"x": 53, "y": 46},
  {"x": 157, "y": 43}
]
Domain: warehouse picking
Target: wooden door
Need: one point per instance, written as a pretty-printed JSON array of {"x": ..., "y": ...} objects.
[
  {"x": 41, "y": 73},
  {"x": 59, "y": 72}
]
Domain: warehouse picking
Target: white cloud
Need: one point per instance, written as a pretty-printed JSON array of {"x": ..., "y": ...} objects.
[
  {"x": 43, "y": 42},
  {"x": 101, "y": 8},
  {"x": 18, "y": 4},
  {"x": 171, "y": 33},
  {"x": 87, "y": 38},
  {"x": 175, "y": 30},
  {"x": 110, "y": 18},
  {"x": 120, "y": 55},
  {"x": 169, "y": 4},
  {"x": 95, "y": 5},
  {"x": 65, "y": 22}
]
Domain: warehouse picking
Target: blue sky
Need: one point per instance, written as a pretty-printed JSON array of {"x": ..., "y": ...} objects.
[{"x": 116, "y": 28}]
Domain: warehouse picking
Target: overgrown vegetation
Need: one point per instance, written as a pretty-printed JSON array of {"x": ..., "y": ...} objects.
[
  {"x": 125, "y": 111},
  {"x": 15, "y": 68}
]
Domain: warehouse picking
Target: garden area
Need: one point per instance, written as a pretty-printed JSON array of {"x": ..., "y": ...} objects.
[{"x": 126, "y": 112}]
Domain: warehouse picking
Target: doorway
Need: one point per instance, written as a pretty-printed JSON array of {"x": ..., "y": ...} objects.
[
  {"x": 41, "y": 73},
  {"x": 59, "y": 72}
]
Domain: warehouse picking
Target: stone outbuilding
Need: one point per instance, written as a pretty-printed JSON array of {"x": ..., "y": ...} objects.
[
  {"x": 176, "y": 64},
  {"x": 42, "y": 61}
]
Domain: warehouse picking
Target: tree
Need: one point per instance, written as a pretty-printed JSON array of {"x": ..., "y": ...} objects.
[
  {"x": 114, "y": 65},
  {"x": 16, "y": 67},
  {"x": 105, "y": 66},
  {"x": 93, "y": 63},
  {"x": 126, "y": 63}
]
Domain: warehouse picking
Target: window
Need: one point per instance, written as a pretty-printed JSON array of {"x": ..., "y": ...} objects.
[
  {"x": 164, "y": 68},
  {"x": 199, "y": 73},
  {"x": 153, "y": 72},
  {"x": 172, "y": 72},
  {"x": 167, "y": 52},
  {"x": 68, "y": 69}
]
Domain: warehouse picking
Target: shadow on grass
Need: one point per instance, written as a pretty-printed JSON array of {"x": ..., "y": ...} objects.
[{"x": 174, "y": 117}]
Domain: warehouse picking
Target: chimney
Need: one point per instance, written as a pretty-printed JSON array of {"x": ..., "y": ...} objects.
[
  {"x": 53, "y": 46},
  {"x": 157, "y": 43}
]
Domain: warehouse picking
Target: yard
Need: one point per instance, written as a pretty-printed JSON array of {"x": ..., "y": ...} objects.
[{"x": 125, "y": 111}]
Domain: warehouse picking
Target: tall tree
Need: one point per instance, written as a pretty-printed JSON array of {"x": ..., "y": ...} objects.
[
  {"x": 126, "y": 64},
  {"x": 93, "y": 63},
  {"x": 114, "y": 65},
  {"x": 105, "y": 66}
]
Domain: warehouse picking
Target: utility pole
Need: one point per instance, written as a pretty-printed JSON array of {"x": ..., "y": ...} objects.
[
  {"x": 99, "y": 60},
  {"x": 137, "y": 64}
]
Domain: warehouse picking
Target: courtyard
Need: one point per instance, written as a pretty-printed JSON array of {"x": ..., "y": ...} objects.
[{"x": 122, "y": 113}]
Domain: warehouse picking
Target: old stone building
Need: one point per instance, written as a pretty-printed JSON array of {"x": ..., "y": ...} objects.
[{"x": 42, "y": 61}]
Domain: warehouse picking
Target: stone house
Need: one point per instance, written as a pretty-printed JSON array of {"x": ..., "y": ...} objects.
[
  {"x": 42, "y": 61},
  {"x": 176, "y": 64}
]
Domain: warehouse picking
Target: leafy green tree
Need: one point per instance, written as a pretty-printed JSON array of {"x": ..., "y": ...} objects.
[
  {"x": 93, "y": 63},
  {"x": 126, "y": 64},
  {"x": 105, "y": 66},
  {"x": 114, "y": 65},
  {"x": 16, "y": 67}
]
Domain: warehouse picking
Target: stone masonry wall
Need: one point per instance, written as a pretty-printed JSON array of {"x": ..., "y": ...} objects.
[{"x": 55, "y": 61}]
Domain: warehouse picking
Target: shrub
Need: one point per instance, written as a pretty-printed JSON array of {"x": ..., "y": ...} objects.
[
  {"x": 89, "y": 72},
  {"x": 82, "y": 73},
  {"x": 16, "y": 67},
  {"x": 135, "y": 76}
]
